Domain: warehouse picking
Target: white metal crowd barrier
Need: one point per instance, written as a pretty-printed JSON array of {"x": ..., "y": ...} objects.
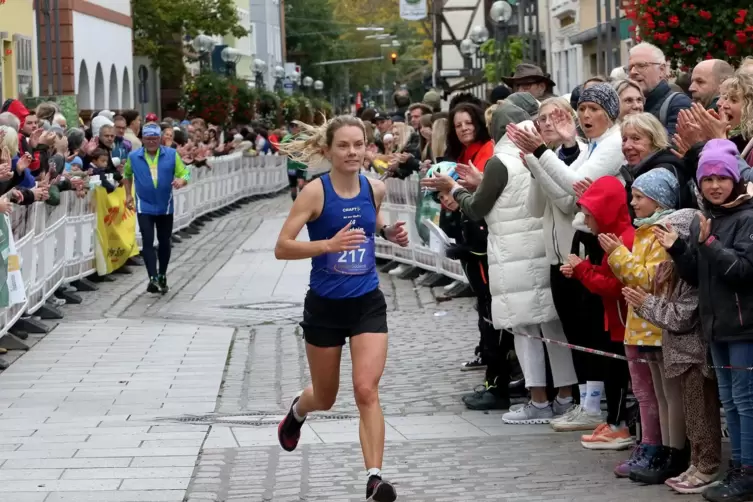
[
  {"x": 56, "y": 243},
  {"x": 400, "y": 205}
]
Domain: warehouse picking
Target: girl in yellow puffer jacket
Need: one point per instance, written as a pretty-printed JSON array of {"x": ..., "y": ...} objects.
[{"x": 655, "y": 195}]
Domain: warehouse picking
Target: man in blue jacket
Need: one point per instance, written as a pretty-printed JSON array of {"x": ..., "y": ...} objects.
[{"x": 154, "y": 171}]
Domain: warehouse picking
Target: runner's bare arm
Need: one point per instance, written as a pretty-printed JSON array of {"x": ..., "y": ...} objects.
[
  {"x": 306, "y": 207},
  {"x": 380, "y": 190}
]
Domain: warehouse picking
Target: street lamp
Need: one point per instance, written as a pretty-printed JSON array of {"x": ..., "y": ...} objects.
[
  {"x": 318, "y": 85},
  {"x": 501, "y": 13},
  {"x": 230, "y": 57},
  {"x": 307, "y": 83},
  {"x": 279, "y": 74},
  {"x": 204, "y": 45},
  {"x": 479, "y": 35},
  {"x": 467, "y": 48},
  {"x": 259, "y": 67}
]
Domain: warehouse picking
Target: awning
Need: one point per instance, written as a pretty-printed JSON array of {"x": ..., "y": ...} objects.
[{"x": 586, "y": 36}]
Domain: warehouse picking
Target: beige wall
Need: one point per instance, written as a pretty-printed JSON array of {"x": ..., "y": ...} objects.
[{"x": 587, "y": 14}]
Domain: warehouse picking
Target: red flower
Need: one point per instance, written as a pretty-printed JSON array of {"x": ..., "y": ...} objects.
[
  {"x": 742, "y": 13},
  {"x": 709, "y": 35},
  {"x": 742, "y": 37},
  {"x": 730, "y": 48},
  {"x": 749, "y": 28},
  {"x": 694, "y": 40},
  {"x": 677, "y": 46},
  {"x": 662, "y": 37},
  {"x": 709, "y": 56},
  {"x": 703, "y": 14},
  {"x": 674, "y": 21},
  {"x": 740, "y": 20}
]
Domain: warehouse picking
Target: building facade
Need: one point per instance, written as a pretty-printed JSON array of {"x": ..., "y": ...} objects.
[
  {"x": 266, "y": 25},
  {"x": 18, "y": 60},
  {"x": 588, "y": 38},
  {"x": 92, "y": 55}
]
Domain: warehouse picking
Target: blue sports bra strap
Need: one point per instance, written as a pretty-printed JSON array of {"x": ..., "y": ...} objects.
[{"x": 364, "y": 179}]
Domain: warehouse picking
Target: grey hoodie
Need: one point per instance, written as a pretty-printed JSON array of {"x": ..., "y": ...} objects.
[{"x": 477, "y": 205}]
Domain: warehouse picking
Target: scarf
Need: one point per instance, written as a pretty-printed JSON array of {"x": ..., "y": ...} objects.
[{"x": 651, "y": 220}]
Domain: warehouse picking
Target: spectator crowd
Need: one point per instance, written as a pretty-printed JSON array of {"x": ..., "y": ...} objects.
[
  {"x": 43, "y": 155},
  {"x": 618, "y": 217}
]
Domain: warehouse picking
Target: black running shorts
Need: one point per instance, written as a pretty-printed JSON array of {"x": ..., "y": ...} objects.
[
  {"x": 328, "y": 322},
  {"x": 293, "y": 180}
]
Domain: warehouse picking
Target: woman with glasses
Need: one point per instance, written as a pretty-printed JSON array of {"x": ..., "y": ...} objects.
[{"x": 631, "y": 97}]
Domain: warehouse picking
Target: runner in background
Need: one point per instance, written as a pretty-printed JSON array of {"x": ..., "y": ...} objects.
[
  {"x": 154, "y": 171},
  {"x": 296, "y": 170}
]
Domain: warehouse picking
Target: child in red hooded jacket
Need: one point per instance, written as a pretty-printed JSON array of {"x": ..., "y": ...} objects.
[{"x": 605, "y": 207}]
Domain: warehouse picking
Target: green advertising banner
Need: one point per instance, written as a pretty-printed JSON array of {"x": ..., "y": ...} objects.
[{"x": 4, "y": 256}]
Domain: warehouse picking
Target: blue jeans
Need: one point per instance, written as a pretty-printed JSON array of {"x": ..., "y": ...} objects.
[{"x": 736, "y": 394}]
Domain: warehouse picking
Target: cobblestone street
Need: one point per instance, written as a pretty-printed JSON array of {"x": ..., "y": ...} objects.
[{"x": 134, "y": 397}]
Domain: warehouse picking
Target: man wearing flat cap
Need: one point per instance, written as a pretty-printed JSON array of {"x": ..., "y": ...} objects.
[{"x": 531, "y": 78}]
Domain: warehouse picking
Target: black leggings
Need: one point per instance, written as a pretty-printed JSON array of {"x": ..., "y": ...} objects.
[
  {"x": 164, "y": 225},
  {"x": 495, "y": 344}
]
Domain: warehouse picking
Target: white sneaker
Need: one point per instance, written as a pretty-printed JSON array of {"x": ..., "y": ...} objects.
[
  {"x": 567, "y": 416},
  {"x": 578, "y": 420},
  {"x": 528, "y": 414},
  {"x": 398, "y": 270},
  {"x": 451, "y": 285}
]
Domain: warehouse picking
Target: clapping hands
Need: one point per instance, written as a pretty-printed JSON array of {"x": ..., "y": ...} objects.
[{"x": 470, "y": 176}]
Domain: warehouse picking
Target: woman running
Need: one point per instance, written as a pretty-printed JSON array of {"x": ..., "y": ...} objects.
[{"x": 341, "y": 213}]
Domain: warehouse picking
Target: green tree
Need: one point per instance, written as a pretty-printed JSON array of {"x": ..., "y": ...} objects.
[
  {"x": 501, "y": 60},
  {"x": 313, "y": 36},
  {"x": 161, "y": 27},
  {"x": 414, "y": 51}
]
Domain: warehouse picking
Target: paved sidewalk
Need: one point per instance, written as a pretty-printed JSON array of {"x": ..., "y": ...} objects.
[{"x": 139, "y": 398}]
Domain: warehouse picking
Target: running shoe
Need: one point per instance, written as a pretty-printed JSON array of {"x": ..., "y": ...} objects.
[
  {"x": 378, "y": 490},
  {"x": 289, "y": 430},
  {"x": 577, "y": 420},
  {"x": 162, "y": 281},
  {"x": 153, "y": 286},
  {"x": 529, "y": 414},
  {"x": 473, "y": 364},
  {"x": 605, "y": 437}
]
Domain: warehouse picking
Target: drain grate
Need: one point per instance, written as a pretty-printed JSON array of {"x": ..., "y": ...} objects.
[
  {"x": 256, "y": 419},
  {"x": 265, "y": 306}
]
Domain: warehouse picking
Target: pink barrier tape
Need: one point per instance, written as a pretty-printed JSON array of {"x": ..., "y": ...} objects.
[{"x": 610, "y": 354}]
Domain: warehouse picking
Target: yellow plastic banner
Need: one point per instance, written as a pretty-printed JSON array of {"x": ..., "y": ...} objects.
[{"x": 116, "y": 230}]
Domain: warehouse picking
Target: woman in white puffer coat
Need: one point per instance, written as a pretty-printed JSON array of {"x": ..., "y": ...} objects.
[{"x": 518, "y": 269}]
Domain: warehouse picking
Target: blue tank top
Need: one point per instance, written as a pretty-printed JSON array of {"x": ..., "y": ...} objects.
[{"x": 345, "y": 274}]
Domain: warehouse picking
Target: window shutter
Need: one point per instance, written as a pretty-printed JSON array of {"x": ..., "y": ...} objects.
[{"x": 24, "y": 64}]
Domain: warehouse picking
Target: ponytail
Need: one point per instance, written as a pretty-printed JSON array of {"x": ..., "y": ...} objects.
[{"x": 313, "y": 141}]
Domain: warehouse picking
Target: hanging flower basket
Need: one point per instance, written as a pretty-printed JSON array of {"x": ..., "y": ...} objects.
[{"x": 691, "y": 31}]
